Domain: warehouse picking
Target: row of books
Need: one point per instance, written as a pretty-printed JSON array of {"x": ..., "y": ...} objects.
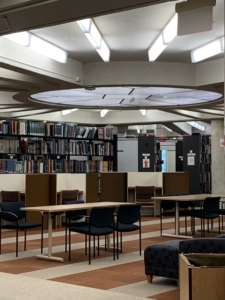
[
  {"x": 205, "y": 168},
  {"x": 205, "y": 148},
  {"x": 205, "y": 187},
  {"x": 56, "y": 146},
  {"x": 54, "y": 129},
  {"x": 85, "y": 148},
  {"x": 13, "y": 166},
  {"x": 205, "y": 158},
  {"x": 9, "y": 146},
  {"x": 205, "y": 177}
]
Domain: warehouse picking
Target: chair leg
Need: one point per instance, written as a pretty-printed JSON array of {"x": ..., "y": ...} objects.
[
  {"x": 117, "y": 239},
  {"x": 25, "y": 240},
  {"x": 66, "y": 236},
  {"x": 69, "y": 245},
  {"x": 89, "y": 248},
  {"x": 94, "y": 244},
  {"x": 105, "y": 242},
  {"x": 140, "y": 240},
  {"x": 149, "y": 278},
  {"x": 85, "y": 244},
  {"x": 114, "y": 255},
  {"x": 0, "y": 238},
  {"x": 203, "y": 227},
  {"x": 161, "y": 223},
  {"x": 185, "y": 225},
  {"x": 121, "y": 241},
  {"x": 17, "y": 242},
  {"x": 98, "y": 245},
  {"x": 219, "y": 224},
  {"x": 42, "y": 234}
]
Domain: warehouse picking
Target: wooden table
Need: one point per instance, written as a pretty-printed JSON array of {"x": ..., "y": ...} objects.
[
  {"x": 52, "y": 209},
  {"x": 177, "y": 199}
]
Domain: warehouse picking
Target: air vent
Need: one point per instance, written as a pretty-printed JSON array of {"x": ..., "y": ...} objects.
[{"x": 4, "y": 25}]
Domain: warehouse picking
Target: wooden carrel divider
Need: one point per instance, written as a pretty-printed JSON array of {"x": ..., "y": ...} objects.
[{"x": 40, "y": 191}]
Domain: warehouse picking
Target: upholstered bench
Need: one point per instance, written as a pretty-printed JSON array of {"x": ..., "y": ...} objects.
[{"x": 162, "y": 259}]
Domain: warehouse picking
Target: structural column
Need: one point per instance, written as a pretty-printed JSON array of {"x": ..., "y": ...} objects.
[{"x": 218, "y": 157}]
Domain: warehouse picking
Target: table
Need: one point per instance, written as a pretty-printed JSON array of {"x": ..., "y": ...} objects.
[
  {"x": 177, "y": 199},
  {"x": 52, "y": 209}
]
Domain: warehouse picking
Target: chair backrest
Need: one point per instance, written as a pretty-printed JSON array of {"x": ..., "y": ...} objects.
[
  {"x": 74, "y": 213},
  {"x": 165, "y": 204},
  {"x": 202, "y": 245},
  {"x": 144, "y": 193},
  {"x": 211, "y": 204},
  {"x": 69, "y": 195},
  {"x": 14, "y": 208},
  {"x": 10, "y": 196},
  {"x": 129, "y": 214},
  {"x": 102, "y": 216}
]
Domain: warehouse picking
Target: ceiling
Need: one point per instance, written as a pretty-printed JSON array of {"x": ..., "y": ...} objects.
[{"x": 129, "y": 27}]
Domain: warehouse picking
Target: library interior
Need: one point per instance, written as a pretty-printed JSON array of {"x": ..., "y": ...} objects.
[{"x": 112, "y": 160}]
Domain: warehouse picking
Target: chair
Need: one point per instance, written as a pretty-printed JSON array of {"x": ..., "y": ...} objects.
[
  {"x": 10, "y": 196},
  {"x": 127, "y": 215},
  {"x": 74, "y": 215},
  {"x": 143, "y": 196},
  {"x": 165, "y": 209},
  {"x": 69, "y": 195},
  {"x": 99, "y": 221},
  {"x": 209, "y": 211},
  {"x": 184, "y": 207},
  {"x": 11, "y": 213}
]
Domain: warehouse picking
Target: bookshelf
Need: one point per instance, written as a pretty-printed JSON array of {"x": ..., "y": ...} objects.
[
  {"x": 197, "y": 162},
  {"x": 148, "y": 154},
  {"x": 28, "y": 147}
]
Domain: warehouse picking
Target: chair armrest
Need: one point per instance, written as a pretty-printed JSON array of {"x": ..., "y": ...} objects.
[{"x": 9, "y": 213}]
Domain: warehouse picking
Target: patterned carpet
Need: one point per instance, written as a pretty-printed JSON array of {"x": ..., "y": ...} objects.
[{"x": 124, "y": 276}]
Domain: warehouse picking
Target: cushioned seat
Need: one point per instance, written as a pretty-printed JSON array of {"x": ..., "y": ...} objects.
[{"x": 162, "y": 259}]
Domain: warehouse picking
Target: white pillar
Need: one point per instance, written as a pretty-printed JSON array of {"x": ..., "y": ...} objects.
[{"x": 218, "y": 157}]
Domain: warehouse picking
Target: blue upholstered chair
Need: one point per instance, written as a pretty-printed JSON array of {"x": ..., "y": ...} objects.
[
  {"x": 162, "y": 259},
  {"x": 99, "y": 224},
  {"x": 16, "y": 219}
]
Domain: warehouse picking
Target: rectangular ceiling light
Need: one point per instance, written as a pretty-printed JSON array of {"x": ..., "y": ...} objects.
[
  {"x": 92, "y": 33},
  {"x": 47, "y": 49},
  {"x": 196, "y": 125},
  {"x": 170, "y": 30},
  {"x": 38, "y": 45},
  {"x": 104, "y": 51},
  {"x": 21, "y": 38},
  {"x": 156, "y": 48},
  {"x": 208, "y": 50}
]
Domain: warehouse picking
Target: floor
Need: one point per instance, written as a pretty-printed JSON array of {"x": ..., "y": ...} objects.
[{"x": 27, "y": 277}]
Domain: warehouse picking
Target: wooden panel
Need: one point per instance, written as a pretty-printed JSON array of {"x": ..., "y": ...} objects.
[
  {"x": 91, "y": 187},
  {"x": 37, "y": 194},
  {"x": 114, "y": 187},
  {"x": 208, "y": 283},
  {"x": 175, "y": 183},
  {"x": 184, "y": 277}
]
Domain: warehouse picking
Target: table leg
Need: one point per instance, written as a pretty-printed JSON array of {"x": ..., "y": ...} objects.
[
  {"x": 177, "y": 235},
  {"x": 49, "y": 256}
]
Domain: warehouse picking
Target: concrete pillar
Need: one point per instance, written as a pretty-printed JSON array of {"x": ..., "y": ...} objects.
[{"x": 218, "y": 157}]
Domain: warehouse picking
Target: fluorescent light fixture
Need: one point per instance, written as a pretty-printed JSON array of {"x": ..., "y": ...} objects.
[
  {"x": 92, "y": 33},
  {"x": 156, "y": 48},
  {"x": 103, "y": 112},
  {"x": 68, "y": 111},
  {"x": 164, "y": 38},
  {"x": 21, "y": 38},
  {"x": 213, "y": 48},
  {"x": 38, "y": 45},
  {"x": 170, "y": 130},
  {"x": 197, "y": 125},
  {"x": 47, "y": 49},
  {"x": 104, "y": 51},
  {"x": 170, "y": 31},
  {"x": 143, "y": 111}
]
